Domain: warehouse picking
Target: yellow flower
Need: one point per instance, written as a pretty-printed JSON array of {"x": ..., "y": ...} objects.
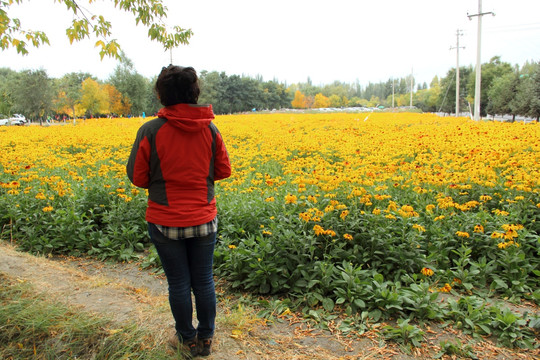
[
  {"x": 376, "y": 211},
  {"x": 390, "y": 216},
  {"x": 265, "y": 232},
  {"x": 500, "y": 212},
  {"x": 318, "y": 230},
  {"x": 330, "y": 232},
  {"x": 427, "y": 271},
  {"x": 232, "y": 246},
  {"x": 290, "y": 199},
  {"x": 312, "y": 199},
  {"x": 462, "y": 234},
  {"x": 305, "y": 216},
  {"x": 439, "y": 218},
  {"x": 430, "y": 207},
  {"x": 485, "y": 198},
  {"x": 47, "y": 209},
  {"x": 446, "y": 288},
  {"x": 348, "y": 236},
  {"x": 478, "y": 229},
  {"x": 420, "y": 228},
  {"x": 271, "y": 199},
  {"x": 344, "y": 214}
]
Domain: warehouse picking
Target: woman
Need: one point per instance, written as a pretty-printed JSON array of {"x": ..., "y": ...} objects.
[{"x": 177, "y": 157}]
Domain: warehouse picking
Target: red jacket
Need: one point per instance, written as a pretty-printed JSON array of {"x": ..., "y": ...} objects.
[{"x": 177, "y": 157}]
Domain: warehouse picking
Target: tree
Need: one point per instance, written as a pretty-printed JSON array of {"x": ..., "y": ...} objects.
[
  {"x": 69, "y": 95},
  {"x": 501, "y": 95},
  {"x": 118, "y": 103},
  {"x": 94, "y": 99},
  {"x": 321, "y": 101},
  {"x": 132, "y": 85},
  {"x": 6, "y": 101},
  {"x": 299, "y": 101},
  {"x": 32, "y": 93},
  {"x": 85, "y": 24},
  {"x": 447, "y": 103},
  {"x": 336, "y": 101},
  {"x": 527, "y": 99},
  {"x": 490, "y": 71}
]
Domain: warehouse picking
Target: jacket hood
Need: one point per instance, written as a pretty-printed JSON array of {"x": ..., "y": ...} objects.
[{"x": 188, "y": 117}]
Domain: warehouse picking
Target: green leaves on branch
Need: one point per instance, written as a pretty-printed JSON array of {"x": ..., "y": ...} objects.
[
  {"x": 149, "y": 13},
  {"x": 12, "y": 35}
]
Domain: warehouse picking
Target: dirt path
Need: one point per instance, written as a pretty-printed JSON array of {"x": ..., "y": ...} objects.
[{"x": 124, "y": 292}]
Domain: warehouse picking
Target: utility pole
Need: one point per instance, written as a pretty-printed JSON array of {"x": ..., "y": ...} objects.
[
  {"x": 458, "y": 34},
  {"x": 478, "y": 63}
]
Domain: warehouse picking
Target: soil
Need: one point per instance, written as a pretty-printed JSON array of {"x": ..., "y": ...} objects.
[{"x": 124, "y": 292}]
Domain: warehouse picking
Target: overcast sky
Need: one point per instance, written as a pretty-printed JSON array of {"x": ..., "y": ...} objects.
[{"x": 345, "y": 40}]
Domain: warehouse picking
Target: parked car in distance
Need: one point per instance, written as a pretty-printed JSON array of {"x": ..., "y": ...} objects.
[
  {"x": 3, "y": 120},
  {"x": 17, "y": 119}
]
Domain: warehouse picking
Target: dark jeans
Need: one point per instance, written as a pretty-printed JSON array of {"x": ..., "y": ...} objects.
[{"x": 188, "y": 265}]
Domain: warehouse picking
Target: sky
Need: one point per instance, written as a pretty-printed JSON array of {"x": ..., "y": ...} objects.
[{"x": 289, "y": 41}]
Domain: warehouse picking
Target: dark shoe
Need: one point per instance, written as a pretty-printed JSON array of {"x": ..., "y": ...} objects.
[
  {"x": 188, "y": 347},
  {"x": 205, "y": 347},
  {"x": 191, "y": 348}
]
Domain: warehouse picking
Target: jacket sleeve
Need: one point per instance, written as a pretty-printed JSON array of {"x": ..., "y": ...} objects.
[
  {"x": 222, "y": 165},
  {"x": 138, "y": 165}
]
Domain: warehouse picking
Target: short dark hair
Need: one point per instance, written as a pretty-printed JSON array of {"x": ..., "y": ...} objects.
[{"x": 177, "y": 85}]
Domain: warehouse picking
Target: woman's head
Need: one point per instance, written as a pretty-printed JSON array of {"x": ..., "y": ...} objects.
[{"x": 177, "y": 85}]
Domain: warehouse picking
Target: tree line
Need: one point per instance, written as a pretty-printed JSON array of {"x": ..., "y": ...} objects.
[{"x": 506, "y": 90}]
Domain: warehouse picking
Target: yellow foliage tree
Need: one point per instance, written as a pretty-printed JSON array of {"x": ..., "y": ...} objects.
[
  {"x": 299, "y": 101},
  {"x": 335, "y": 101},
  {"x": 321, "y": 101},
  {"x": 60, "y": 105},
  {"x": 374, "y": 101},
  {"x": 94, "y": 99},
  {"x": 118, "y": 103}
]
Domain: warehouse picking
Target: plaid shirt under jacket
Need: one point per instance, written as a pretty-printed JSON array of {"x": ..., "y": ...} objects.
[{"x": 177, "y": 233}]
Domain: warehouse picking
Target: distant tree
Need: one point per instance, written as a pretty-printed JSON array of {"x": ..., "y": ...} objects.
[
  {"x": 6, "y": 101},
  {"x": 152, "y": 101},
  {"x": 321, "y": 101},
  {"x": 299, "y": 101},
  {"x": 502, "y": 94},
  {"x": 94, "y": 98},
  {"x": 118, "y": 103},
  {"x": 132, "y": 85},
  {"x": 69, "y": 92},
  {"x": 231, "y": 93},
  {"x": 32, "y": 93},
  {"x": 210, "y": 83},
  {"x": 427, "y": 99},
  {"x": 85, "y": 24},
  {"x": 527, "y": 99},
  {"x": 490, "y": 71},
  {"x": 335, "y": 101},
  {"x": 374, "y": 101},
  {"x": 276, "y": 95},
  {"x": 447, "y": 102}
]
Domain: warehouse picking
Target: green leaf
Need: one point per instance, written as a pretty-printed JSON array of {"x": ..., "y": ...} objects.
[{"x": 328, "y": 304}]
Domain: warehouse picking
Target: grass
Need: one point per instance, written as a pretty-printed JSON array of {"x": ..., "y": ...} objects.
[{"x": 34, "y": 326}]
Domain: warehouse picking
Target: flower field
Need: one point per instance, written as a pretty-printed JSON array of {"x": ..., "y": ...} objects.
[{"x": 372, "y": 217}]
